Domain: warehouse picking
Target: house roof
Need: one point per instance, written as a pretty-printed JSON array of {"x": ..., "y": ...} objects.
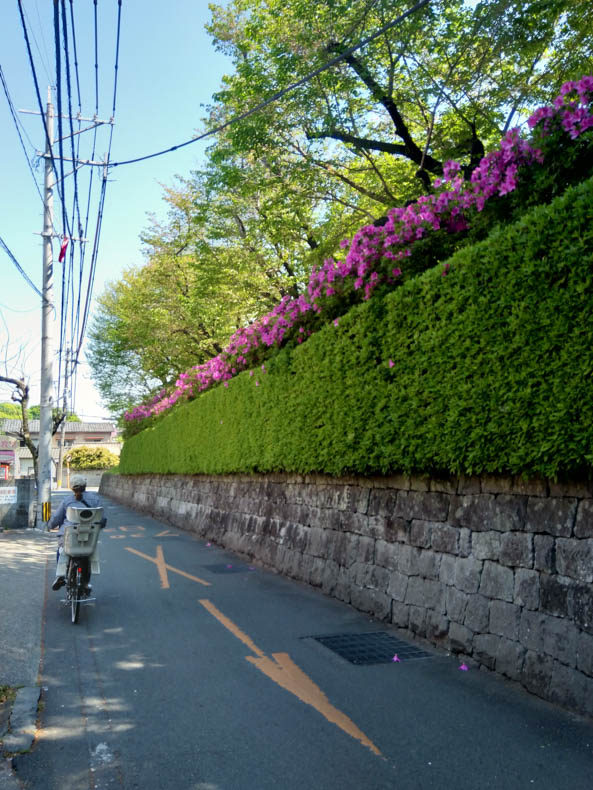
[{"x": 14, "y": 426}]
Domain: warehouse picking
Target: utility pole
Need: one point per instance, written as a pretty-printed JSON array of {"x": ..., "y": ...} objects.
[
  {"x": 46, "y": 410},
  {"x": 60, "y": 470}
]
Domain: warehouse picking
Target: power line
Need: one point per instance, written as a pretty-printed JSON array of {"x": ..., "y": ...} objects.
[
  {"x": 39, "y": 102},
  {"x": 18, "y": 131},
  {"x": 20, "y": 268},
  {"x": 279, "y": 94}
]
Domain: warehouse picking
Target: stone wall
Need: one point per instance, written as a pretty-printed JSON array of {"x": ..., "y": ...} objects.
[{"x": 499, "y": 571}]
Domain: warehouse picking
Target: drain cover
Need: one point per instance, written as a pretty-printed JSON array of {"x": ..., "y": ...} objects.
[
  {"x": 226, "y": 568},
  {"x": 374, "y": 648}
]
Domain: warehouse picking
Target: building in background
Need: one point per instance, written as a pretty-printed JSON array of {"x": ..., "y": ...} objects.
[{"x": 77, "y": 434}]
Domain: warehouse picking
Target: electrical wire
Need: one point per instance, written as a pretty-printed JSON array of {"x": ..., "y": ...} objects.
[
  {"x": 39, "y": 102},
  {"x": 20, "y": 269},
  {"x": 279, "y": 94},
  {"x": 18, "y": 131}
]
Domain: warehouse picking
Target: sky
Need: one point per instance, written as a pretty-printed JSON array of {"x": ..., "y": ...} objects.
[{"x": 168, "y": 70}]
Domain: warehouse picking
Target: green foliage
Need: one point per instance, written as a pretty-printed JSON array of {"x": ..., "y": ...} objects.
[
  {"x": 484, "y": 370},
  {"x": 82, "y": 458},
  {"x": 10, "y": 411}
]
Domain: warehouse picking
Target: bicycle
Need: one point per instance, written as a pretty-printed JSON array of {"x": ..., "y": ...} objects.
[{"x": 81, "y": 536}]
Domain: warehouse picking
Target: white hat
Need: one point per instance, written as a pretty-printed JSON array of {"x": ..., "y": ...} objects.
[{"x": 78, "y": 481}]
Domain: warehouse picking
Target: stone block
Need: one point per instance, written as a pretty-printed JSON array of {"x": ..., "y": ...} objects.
[
  {"x": 516, "y": 550},
  {"x": 485, "y": 649},
  {"x": 582, "y": 606},
  {"x": 374, "y": 602},
  {"x": 423, "y": 505},
  {"x": 568, "y": 687},
  {"x": 455, "y": 603},
  {"x": 477, "y": 613},
  {"x": 504, "y": 619},
  {"x": 447, "y": 569},
  {"x": 387, "y": 554},
  {"x": 444, "y": 485},
  {"x": 554, "y": 516},
  {"x": 465, "y": 542},
  {"x": 359, "y": 549},
  {"x": 526, "y": 588},
  {"x": 419, "y": 483},
  {"x": 537, "y": 673},
  {"x": 445, "y": 539},
  {"x": 469, "y": 485},
  {"x": 397, "y": 530},
  {"x": 378, "y": 578},
  {"x": 421, "y": 533},
  {"x": 510, "y": 656},
  {"x": 556, "y": 595},
  {"x": 560, "y": 640},
  {"x": 583, "y": 527},
  {"x": 417, "y": 623},
  {"x": 382, "y": 502},
  {"x": 400, "y": 614},
  {"x": 318, "y": 540},
  {"x": 585, "y": 653},
  {"x": 486, "y": 545},
  {"x": 407, "y": 562},
  {"x": 467, "y": 574},
  {"x": 426, "y": 593},
  {"x": 497, "y": 582},
  {"x": 574, "y": 558},
  {"x": 437, "y": 626},
  {"x": 397, "y": 586},
  {"x": 376, "y": 527},
  {"x": 347, "y": 521},
  {"x": 472, "y": 511},
  {"x": 509, "y": 513},
  {"x": 460, "y": 638},
  {"x": 428, "y": 564},
  {"x": 330, "y": 577},
  {"x": 317, "y": 572},
  {"x": 531, "y": 630},
  {"x": 544, "y": 549}
]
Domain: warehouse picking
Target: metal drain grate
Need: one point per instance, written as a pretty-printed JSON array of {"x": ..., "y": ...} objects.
[
  {"x": 374, "y": 648},
  {"x": 226, "y": 568}
]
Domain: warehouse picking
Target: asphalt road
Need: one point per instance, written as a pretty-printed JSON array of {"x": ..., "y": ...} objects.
[{"x": 195, "y": 671}]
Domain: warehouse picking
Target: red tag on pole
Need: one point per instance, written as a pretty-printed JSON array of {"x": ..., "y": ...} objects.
[{"x": 62, "y": 254}]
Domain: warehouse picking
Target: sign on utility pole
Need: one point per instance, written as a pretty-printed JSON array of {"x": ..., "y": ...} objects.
[{"x": 46, "y": 410}]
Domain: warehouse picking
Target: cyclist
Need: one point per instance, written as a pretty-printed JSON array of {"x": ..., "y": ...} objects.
[{"x": 80, "y": 498}]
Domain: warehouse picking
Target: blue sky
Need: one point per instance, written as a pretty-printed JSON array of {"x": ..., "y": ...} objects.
[{"x": 168, "y": 68}]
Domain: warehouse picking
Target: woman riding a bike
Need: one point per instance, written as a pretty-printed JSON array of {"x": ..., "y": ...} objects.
[{"x": 80, "y": 498}]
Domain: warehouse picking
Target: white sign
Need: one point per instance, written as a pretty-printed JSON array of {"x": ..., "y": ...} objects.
[{"x": 7, "y": 495}]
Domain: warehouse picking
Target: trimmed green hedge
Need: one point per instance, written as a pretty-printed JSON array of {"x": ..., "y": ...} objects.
[{"x": 491, "y": 371}]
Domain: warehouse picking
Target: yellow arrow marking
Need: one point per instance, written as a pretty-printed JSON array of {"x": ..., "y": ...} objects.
[
  {"x": 168, "y": 533},
  {"x": 163, "y": 567},
  {"x": 283, "y": 671}
]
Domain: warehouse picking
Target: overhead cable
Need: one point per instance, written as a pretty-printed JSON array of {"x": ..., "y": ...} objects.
[
  {"x": 20, "y": 268},
  {"x": 279, "y": 94}
]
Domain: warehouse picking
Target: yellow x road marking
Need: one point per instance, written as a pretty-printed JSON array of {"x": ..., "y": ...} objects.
[{"x": 163, "y": 567}]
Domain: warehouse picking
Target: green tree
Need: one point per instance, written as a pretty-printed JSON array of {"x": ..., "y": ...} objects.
[
  {"x": 86, "y": 458},
  {"x": 10, "y": 411},
  {"x": 445, "y": 83}
]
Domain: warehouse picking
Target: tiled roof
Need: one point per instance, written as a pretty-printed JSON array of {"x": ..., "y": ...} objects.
[{"x": 71, "y": 427}]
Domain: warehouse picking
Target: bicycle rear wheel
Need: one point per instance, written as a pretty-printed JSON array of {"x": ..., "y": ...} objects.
[{"x": 74, "y": 589}]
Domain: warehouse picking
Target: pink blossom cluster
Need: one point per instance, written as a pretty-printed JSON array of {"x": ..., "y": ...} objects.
[
  {"x": 572, "y": 109},
  {"x": 377, "y": 252}
]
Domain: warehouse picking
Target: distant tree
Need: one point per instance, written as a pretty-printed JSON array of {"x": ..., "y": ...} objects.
[
  {"x": 10, "y": 411},
  {"x": 83, "y": 458},
  {"x": 35, "y": 414}
]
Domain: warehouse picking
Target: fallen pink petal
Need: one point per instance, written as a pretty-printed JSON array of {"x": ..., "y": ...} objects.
[
  {"x": 396, "y": 658},
  {"x": 464, "y": 668}
]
